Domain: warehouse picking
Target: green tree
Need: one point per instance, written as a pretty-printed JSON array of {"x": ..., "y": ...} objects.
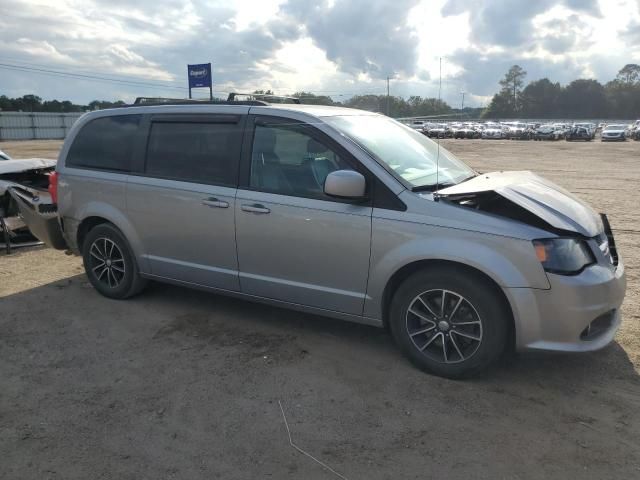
[
  {"x": 584, "y": 98},
  {"x": 512, "y": 85},
  {"x": 30, "y": 103},
  {"x": 507, "y": 103},
  {"x": 629, "y": 74},
  {"x": 313, "y": 99},
  {"x": 540, "y": 98}
]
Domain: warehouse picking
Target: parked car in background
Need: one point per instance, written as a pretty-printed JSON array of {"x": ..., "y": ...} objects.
[
  {"x": 518, "y": 131},
  {"x": 548, "y": 132},
  {"x": 630, "y": 130},
  {"x": 457, "y": 130},
  {"x": 440, "y": 130},
  {"x": 390, "y": 229},
  {"x": 417, "y": 125},
  {"x": 578, "y": 133},
  {"x": 493, "y": 133},
  {"x": 562, "y": 127},
  {"x": 591, "y": 127},
  {"x": 613, "y": 133}
]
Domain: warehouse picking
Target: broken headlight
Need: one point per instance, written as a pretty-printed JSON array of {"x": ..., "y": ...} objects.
[{"x": 564, "y": 256}]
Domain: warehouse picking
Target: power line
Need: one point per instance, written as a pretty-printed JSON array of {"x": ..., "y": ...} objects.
[
  {"x": 22, "y": 63},
  {"x": 95, "y": 78}
]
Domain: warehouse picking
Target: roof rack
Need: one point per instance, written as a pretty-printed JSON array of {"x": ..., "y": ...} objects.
[
  {"x": 266, "y": 97},
  {"x": 151, "y": 101}
]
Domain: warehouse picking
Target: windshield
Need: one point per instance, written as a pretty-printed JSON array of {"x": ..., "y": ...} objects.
[
  {"x": 614, "y": 127},
  {"x": 409, "y": 154}
]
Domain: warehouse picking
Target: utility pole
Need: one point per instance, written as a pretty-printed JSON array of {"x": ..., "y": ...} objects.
[
  {"x": 388, "y": 96},
  {"x": 440, "y": 86},
  {"x": 462, "y": 106}
]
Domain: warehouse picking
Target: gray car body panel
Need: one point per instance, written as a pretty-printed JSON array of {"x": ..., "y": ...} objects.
[
  {"x": 545, "y": 199},
  {"x": 337, "y": 258}
]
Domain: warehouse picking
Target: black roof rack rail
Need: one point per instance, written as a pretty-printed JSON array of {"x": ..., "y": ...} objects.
[
  {"x": 267, "y": 97},
  {"x": 155, "y": 101}
]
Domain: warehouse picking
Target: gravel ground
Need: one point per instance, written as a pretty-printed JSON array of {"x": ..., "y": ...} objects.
[{"x": 184, "y": 384}]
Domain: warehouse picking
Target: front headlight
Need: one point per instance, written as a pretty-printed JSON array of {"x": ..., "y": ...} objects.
[{"x": 564, "y": 256}]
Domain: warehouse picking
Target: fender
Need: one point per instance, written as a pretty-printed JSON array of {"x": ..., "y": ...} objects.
[{"x": 510, "y": 262}]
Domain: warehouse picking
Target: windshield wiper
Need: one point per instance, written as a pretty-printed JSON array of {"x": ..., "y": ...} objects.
[{"x": 432, "y": 186}]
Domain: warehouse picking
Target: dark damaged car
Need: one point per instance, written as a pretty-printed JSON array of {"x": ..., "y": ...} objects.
[{"x": 24, "y": 193}]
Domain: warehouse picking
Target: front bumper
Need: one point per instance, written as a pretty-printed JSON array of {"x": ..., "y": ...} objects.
[{"x": 578, "y": 313}]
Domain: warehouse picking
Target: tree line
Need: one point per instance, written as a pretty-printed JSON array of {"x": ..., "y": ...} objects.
[
  {"x": 582, "y": 98},
  {"x": 33, "y": 103},
  {"x": 394, "y": 106}
]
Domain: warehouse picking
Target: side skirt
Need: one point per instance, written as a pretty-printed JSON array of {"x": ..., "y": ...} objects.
[{"x": 269, "y": 301}]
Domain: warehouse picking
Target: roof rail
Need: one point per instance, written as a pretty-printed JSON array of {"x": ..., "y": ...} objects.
[
  {"x": 266, "y": 97},
  {"x": 151, "y": 101}
]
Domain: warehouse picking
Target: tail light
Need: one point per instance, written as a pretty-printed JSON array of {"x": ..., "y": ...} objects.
[{"x": 53, "y": 186}]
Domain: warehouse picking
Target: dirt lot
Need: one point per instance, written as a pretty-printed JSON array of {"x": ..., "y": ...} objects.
[{"x": 184, "y": 384}]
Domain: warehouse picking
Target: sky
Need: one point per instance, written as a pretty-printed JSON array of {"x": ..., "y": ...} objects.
[{"x": 333, "y": 47}]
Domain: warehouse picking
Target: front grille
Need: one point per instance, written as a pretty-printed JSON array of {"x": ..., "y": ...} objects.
[
  {"x": 599, "y": 326},
  {"x": 613, "y": 251}
]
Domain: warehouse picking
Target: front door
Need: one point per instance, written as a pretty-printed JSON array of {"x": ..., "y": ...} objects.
[{"x": 296, "y": 244}]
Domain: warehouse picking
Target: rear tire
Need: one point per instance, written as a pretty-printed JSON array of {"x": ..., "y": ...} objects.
[
  {"x": 110, "y": 264},
  {"x": 462, "y": 339}
]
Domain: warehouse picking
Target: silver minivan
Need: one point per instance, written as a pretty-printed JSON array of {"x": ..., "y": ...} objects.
[{"x": 342, "y": 213}]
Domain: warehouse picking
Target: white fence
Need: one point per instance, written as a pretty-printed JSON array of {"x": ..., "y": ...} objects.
[{"x": 36, "y": 125}]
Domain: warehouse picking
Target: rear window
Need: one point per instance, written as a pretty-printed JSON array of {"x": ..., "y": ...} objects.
[
  {"x": 105, "y": 143},
  {"x": 194, "y": 152}
]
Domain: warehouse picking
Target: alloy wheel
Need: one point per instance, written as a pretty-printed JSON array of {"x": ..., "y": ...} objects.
[
  {"x": 107, "y": 262},
  {"x": 444, "y": 326}
]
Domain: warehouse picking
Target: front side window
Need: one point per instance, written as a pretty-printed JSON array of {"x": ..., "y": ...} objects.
[
  {"x": 403, "y": 151},
  {"x": 287, "y": 160},
  {"x": 105, "y": 143},
  {"x": 194, "y": 152}
]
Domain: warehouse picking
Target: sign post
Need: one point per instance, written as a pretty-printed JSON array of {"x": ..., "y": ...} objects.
[{"x": 200, "y": 76}]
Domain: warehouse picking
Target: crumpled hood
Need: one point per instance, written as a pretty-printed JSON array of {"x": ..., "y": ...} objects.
[
  {"x": 543, "y": 198},
  {"x": 25, "y": 164}
]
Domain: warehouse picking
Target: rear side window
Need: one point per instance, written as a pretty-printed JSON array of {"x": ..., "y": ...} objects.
[
  {"x": 105, "y": 143},
  {"x": 199, "y": 152}
]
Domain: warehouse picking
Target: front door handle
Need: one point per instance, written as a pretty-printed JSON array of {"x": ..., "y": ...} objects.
[
  {"x": 255, "y": 208},
  {"x": 213, "y": 202}
]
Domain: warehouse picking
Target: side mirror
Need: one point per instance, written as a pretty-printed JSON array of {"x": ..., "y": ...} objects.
[{"x": 347, "y": 184}]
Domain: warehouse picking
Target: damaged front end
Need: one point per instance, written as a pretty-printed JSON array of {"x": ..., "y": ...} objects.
[
  {"x": 28, "y": 215},
  {"x": 527, "y": 198}
]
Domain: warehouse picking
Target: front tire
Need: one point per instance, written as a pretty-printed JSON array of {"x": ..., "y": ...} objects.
[
  {"x": 110, "y": 264},
  {"x": 449, "y": 322}
]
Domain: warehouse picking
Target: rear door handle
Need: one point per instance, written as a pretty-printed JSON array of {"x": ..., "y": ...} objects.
[
  {"x": 255, "y": 208},
  {"x": 213, "y": 202}
]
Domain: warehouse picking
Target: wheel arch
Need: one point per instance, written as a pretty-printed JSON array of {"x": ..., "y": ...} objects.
[
  {"x": 98, "y": 214},
  {"x": 409, "y": 269},
  {"x": 86, "y": 226}
]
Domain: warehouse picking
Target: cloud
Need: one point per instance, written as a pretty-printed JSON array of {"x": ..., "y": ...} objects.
[
  {"x": 340, "y": 46},
  {"x": 509, "y": 23},
  {"x": 360, "y": 36},
  {"x": 482, "y": 71},
  {"x": 632, "y": 34}
]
